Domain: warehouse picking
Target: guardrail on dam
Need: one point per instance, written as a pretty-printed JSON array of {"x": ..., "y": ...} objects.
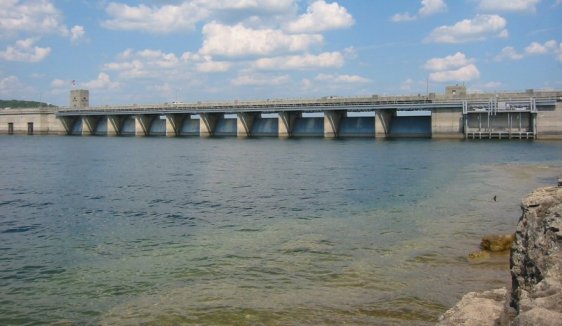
[{"x": 528, "y": 115}]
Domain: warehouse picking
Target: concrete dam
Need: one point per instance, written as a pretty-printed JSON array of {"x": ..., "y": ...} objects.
[{"x": 455, "y": 114}]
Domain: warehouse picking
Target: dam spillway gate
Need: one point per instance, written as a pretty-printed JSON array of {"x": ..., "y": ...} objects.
[{"x": 500, "y": 119}]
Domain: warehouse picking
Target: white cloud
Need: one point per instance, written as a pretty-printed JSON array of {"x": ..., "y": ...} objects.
[
  {"x": 302, "y": 62},
  {"x": 260, "y": 80},
  {"x": 479, "y": 28},
  {"x": 456, "y": 67},
  {"x": 238, "y": 40},
  {"x": 184, "y": 15},
  {"x": 77, "y": 33},
  {"x": 430, "y": 7},
  {"x": 24, "y": 51},
  {"x": 342, "y": 79},
  {"x": 144, "y": 63},
  {"x": 466, "y": 73},
  {"x": 456, "y": 60},
  {"x": 509, "y": 53},
  {"x": 59, "y": 83},
  {"x": 38, "y": 17},
  {"x": 11, "y": 87},
  {"x": 550, "y": 47},
  {"x": 321, "y": 16},
  {"x": 493, "y": 85},
  {"x": 164, "y": 19},
  {"x": 213, "y": 66},
  {"x": 253, "y": 6},
  {"x": 407, "y": 84},
  {"x": 508, "y": 5},
  {"x": 403, "y": 17},
  {"x": 102, "y": 82},
  {"x": 537, "y": 48}
]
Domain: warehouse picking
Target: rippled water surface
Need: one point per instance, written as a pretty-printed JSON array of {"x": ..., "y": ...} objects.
[{"x": 156, "y": 231}]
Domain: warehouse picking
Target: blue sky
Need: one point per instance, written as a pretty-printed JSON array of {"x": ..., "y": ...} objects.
[{"x": 156, "y": 51}]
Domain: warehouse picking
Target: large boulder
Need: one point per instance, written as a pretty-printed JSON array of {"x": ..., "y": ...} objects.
[
  {"x": 536, "y": 260},
  {"x": 536, "y": 271}
]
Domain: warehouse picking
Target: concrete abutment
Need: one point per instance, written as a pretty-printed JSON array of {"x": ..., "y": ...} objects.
[
  {"x": 332, "y": 120},
  {"x": 447, "y": 123},
  {"x": 244, "y": 123},
  {"x": 383, "y": 120},
  {"x": 174, "y": 124},
  {"x": 286, "y": 123},
  {"x": 207, "y": 124},
  {"x": 142, "y": 124}
]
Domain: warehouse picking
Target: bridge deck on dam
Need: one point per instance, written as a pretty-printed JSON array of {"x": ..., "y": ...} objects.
[
  {"x": 504, "y": 115},
  {"x": 311, "y": 105}
]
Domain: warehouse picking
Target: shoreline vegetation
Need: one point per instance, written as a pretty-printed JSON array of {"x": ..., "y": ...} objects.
[
  {"x": 18, "y": 104},
  {"x": 535, "y": 266}
]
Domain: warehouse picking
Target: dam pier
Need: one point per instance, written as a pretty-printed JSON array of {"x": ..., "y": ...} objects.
[{"x": 454, "y": 115}]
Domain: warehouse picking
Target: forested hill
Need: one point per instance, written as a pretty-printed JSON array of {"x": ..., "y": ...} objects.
[{"x": 23, "y": 104}]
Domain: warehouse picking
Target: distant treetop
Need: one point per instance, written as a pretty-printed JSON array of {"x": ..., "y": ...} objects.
[{"x": 23, "y": 104}]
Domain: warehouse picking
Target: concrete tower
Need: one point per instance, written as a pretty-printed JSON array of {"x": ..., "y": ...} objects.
[{"x": 79, "y": 98}]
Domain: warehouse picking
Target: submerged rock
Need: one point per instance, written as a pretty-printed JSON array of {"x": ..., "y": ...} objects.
[
  {"x": 496, "y": 242},
  {"x": 477, "y": 257}
]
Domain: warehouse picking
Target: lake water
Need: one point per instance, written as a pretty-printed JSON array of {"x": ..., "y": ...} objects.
[{"x": 157, "y": 231}]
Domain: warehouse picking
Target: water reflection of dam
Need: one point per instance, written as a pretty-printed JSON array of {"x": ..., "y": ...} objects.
[{"x": 525, "y": 115}]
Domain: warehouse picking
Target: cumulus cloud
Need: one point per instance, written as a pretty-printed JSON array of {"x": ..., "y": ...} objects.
[
  {"x": 77, "y": 33},
  {"x": 456, "y": 60},
  {"x": 184, "y": 15},
  {"x": 302, "y": 62},
  {"x": 456, "y": 67},
  {"x": 259, "y": 80},
  {"x": 252, "y": 6},
  {"x": 213, "y": 66},
  {"x": 34, "y": 17},
  {"x": 164, "y": 19},
  {"x": 12, "y": 87},
  {"x": 238, "y": 40},
  {"x": 508, "y": 5},
  {"x": 538, "y": 48},
  {"x": 479, "y": 28},
  {"x": 30, "y": 16},
  {"x": 102, "y": 82},
  {"x": 24, "y": 51},
  {"x": 60, "y": 83},
  {"x": 403, "y": 17},
  {"x": 428, "y": 8},
  {"x": 508, "y": 53},
  {"x": 342, "y": 79},
  {"x": 320, "y": 17},
  {"x": 144, "y": 63},
  {"x": 550, "y": 47},
  {"x": 466, "y": 73},
  {"x": 407, "y": 84}
]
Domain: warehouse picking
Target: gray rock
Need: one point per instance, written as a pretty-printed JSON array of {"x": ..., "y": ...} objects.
[
  {"x": 536, "y": 272},
  {"x": 476, "y": 309}
]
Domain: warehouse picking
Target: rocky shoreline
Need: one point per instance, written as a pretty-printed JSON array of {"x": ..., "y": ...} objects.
[{"x": 535, "y": 297}]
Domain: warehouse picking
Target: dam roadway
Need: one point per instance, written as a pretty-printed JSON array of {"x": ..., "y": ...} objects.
[{"x": 529, "y": 115}]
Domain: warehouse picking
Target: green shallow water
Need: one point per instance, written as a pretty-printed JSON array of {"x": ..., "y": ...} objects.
[{"x": 156, "y": 231}]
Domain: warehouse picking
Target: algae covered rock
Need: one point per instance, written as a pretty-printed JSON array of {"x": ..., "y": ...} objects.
[
  {"x": 477, "y": 257},
  {"x": 497, "y": 242}
]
